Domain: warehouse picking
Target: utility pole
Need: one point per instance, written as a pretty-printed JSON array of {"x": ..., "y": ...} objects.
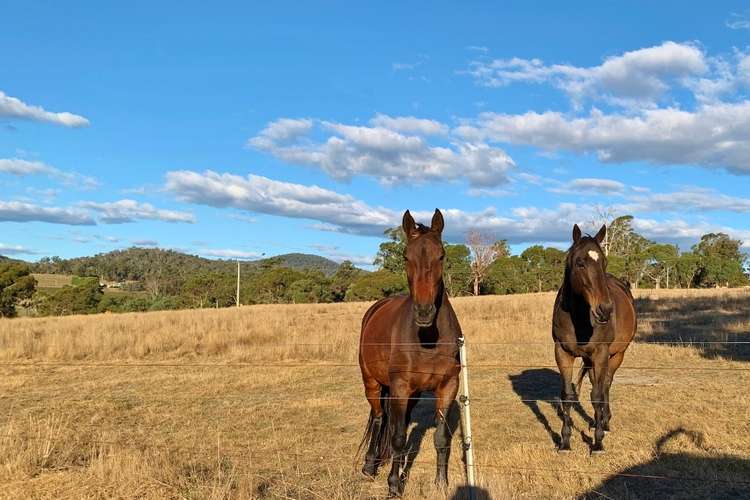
[{"x": 238, "y": 283}]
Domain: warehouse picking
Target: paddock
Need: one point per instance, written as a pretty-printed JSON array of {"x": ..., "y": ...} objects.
[{"x": 222, "y": 404}]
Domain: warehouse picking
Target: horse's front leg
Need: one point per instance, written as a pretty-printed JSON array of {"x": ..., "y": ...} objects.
[
  {"x": 397, "y": 420},
  {"x": 445, "y": 394},
  {"x": 600, "y": 361},
  {"x": 614, "y": 363},
  {"x": 565, "y": 362}
]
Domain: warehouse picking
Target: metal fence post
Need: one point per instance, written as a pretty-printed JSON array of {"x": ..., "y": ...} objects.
[{"x": 466, "y": 416}]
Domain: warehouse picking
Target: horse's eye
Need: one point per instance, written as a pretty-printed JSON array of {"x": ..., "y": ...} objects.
[{"x": 442, "y": 257}]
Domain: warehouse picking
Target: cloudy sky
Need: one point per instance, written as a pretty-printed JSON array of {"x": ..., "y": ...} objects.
[{"x": 240, "y": 130}]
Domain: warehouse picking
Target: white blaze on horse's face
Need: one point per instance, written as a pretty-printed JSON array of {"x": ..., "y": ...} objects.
[{"x": 594, "y": 255}]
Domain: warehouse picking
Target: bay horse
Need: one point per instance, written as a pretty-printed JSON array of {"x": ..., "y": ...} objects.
[
  {"x": 409, "y": 344},
  {"x": 594, "y": 318}
]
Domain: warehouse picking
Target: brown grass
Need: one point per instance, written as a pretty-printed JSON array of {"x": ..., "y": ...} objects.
[{"x": 214, "y": 404}]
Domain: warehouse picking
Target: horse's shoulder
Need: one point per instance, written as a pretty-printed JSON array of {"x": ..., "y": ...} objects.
[{"x": 380, "y": 304}]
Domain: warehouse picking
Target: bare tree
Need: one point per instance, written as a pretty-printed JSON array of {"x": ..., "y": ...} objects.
[
  {"x": 604, "y": 216},
  {"x": 483, "y": 253}
]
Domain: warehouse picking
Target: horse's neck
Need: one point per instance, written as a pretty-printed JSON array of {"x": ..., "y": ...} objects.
[{"x": 572, "y": 302}]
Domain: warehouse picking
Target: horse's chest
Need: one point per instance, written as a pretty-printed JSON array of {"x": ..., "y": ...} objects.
[{"x": 424, "y": 366}]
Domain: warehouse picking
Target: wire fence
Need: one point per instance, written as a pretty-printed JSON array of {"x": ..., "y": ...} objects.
[{"x": 259, "y": 460}]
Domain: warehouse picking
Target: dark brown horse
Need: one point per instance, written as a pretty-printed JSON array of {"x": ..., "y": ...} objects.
[
  {"x": 409, "y": 344},
  {"x": 594, "y": 318}
]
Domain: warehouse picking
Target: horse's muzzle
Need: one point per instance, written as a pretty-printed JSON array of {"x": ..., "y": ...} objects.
[
  {"x": 602, "y": 313},
  {"x": 424, "y": 315}
]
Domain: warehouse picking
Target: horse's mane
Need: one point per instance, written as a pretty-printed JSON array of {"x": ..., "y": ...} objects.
[{"x": 422, "y": 229}]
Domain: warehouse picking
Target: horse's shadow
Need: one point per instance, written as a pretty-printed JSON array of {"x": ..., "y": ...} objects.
[
  {"x": 423, "y": 416},
  {"x": 678, "y": 475},
  {"x": 542, "y": 386}
]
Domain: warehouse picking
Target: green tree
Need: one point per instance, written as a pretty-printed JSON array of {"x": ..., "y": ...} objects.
[
  {"x": 81, "y": 298},
  {"x": 390, "y": 255},
  {"x": 545, "y": 267},
  {"x": 374, "y": 286},
  {"x": 661, "y": 262},
  {"x": 209, "y": 289},
  {"x": 271, "y": 286},
  {"x": 343, "y": 279},
  {"x": 457, "y": 270},
  {"x": 508, "y": 275},
  {"x": 16, "y": 285},
  {"x": 722, "y": 263}
]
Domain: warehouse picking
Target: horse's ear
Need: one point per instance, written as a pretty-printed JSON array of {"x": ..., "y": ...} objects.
[
  {"x": 408, "y": 225},
  {"x": 576, "y": 233},
  {"x": 437, "y": 222},
  {"x": 601, "y": 234}
]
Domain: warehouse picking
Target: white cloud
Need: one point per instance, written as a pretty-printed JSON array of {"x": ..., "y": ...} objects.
[
  {"x": 588, "y": 185},
  {"x": 20, "y": 167},
  {"x": 342, "y": 213},
  {"x": 738, "y": 21},
  {"x": 281, "y": 131},
  {"x": 488, "y": 192},
  {"x": 410, "y": 125},
  {"x": 6, "y": 249},
  {"x": 145, "y": 243},
  {"x": 714, "y": 136},
  {"x": 337, "y": 255},
  {"x": 691, "y": 199},
  {"x": 478, "y": 48},
  {"x": 639, "y": 76},
  {"x": 229, "y": 253},
  {"x": 15, "y": 108},
  {"x": 16, "y": 211},
  {"x": 122, "y": 211},
  {"x": 386, "y": 154},
  {"x": 263, "y": 195}
]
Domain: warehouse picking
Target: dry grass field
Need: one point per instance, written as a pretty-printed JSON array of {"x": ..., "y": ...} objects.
[{"x": 230, "y": 404}]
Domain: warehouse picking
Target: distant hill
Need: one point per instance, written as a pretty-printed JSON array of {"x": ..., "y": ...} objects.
[
  {"x": 305, "y": 261},
  {"x": 135, "y": 264}
]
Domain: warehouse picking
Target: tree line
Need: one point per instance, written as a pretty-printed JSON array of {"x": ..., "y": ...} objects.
[{"x": 154, "y": 279}]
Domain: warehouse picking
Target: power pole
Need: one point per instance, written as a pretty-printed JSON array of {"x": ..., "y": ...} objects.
[{"x": 238, "y": 283}]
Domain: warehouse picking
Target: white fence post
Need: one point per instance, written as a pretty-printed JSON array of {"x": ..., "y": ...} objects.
[{"x": 466, "y": 416}]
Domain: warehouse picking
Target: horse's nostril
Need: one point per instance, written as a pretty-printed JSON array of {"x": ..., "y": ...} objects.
[{"x": 603, "y": 312}]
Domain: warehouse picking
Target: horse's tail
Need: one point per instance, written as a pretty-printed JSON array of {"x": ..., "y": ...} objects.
[{"x": 383, "y": 439}]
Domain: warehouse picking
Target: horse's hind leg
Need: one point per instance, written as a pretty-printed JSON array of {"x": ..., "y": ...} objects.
[
  {"x": 373, "y": 391},
  {"x": 567, "y": 396},
  {"x": 614, "y": 363},
  {"x": 600, "y": 360}
]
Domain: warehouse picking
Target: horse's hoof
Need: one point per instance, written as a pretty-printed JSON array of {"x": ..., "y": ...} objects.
[
  {"x": 563, "y": 451},
  {"x": 369, "y": 474},
  {"x": 598, "y": 452}
]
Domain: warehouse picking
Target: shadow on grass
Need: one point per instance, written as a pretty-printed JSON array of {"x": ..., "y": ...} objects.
[
  {"x": 542, "y": 386},
  {"x": 691, "y": 320},
  {"x": 465, "y": 492},
  {"x": 423, "y": 415},
  {"x": 679, "y": 475}
]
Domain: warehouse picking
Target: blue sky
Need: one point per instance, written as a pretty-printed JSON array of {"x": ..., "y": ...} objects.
[{"x": 239, "y": 129}]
